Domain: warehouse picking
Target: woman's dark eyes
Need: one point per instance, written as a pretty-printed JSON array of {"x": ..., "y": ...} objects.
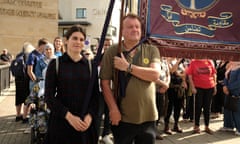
[{"x": 76, "y": 38}]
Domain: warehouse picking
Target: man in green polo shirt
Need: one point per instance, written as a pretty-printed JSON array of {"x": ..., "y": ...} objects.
[{"x": 133, "y": 118}]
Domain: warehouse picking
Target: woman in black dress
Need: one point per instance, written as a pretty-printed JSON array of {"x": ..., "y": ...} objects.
[
  {"x": 72, "y": 115},
  {"x": 22, "y": 82}
]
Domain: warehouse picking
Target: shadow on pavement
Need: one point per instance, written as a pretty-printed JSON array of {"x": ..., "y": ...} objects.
[
  {"x": 187, "y": 137},
  {"x": 12, "y": 132}
]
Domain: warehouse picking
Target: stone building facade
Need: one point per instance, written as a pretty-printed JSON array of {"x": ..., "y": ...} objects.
[{"x": 27, "y": 21}]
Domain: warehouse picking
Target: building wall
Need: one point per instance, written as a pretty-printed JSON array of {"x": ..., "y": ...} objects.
[
  {"x": 96, "y": 14},
  {"x": 27, "y": 21}
]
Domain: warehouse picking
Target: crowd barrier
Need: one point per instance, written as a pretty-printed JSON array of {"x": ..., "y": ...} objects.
[{"x": 5, "y": 77}]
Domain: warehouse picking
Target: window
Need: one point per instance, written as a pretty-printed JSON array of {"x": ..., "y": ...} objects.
[
  {"x": 64, "y": 31},
  {"x": 81, "y": 13},
  {"x": 112, "y": 31}
]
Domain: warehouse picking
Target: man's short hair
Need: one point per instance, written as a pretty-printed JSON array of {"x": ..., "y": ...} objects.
[
  {"x": 132, "y": 16},
  {"x": 42, "y": 41}
]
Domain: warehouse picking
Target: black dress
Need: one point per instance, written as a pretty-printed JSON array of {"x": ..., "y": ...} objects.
[
  {"x": 70, "y": 84},
  {"x": 22, "y": 86},
  {"x": 22, "y": 89}
]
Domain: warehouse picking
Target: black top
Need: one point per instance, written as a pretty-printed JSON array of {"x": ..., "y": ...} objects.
[
  {"x": 5, "y": 57},
  {"x": 70, "y": 85}
]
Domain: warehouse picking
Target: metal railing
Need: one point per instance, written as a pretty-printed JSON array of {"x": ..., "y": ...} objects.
[{"x": 4, "y": 77}]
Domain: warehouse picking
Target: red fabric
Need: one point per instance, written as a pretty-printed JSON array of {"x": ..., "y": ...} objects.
[
  {"x": 202, "y": 72},
  {"x": 193, "y": 29}
]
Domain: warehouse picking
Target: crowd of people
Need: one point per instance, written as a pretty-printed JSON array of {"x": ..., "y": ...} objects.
[{"x": 134, "y": 89}]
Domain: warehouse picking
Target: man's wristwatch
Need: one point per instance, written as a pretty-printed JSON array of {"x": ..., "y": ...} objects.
[{"x": 129, "y": 69}]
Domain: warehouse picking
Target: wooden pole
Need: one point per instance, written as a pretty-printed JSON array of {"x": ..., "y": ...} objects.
[{"x": 116, "y": 82}]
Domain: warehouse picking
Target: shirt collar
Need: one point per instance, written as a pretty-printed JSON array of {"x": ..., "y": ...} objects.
[{"x": 67, "y": 58}]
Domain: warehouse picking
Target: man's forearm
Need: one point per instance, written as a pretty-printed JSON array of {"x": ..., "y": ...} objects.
[
  {"x": 32, "y": 76},
  {"x": 146, "y": 73},
  {"x": 108, "y": 95}
]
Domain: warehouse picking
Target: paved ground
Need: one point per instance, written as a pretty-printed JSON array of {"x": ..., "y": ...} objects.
[
  {"x": 219, "y": 137},
  {"x": 12, "y": 132}
]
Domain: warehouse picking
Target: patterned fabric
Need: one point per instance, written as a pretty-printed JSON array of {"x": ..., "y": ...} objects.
[{"x": 193, "y": 28}]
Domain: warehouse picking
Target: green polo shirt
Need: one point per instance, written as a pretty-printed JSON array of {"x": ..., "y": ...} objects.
[{"x": 139, "y": 104}]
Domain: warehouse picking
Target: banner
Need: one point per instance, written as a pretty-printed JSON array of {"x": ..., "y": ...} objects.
[{"x": 193, "y": 28}]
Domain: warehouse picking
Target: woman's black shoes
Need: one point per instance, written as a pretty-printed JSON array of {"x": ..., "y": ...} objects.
[
  {"x": 19, "y": 118},
  {"x": 25, "y": 120}
]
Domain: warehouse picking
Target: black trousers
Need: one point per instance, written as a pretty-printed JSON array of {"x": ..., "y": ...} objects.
[
  {"x": 203, "y": 100},
  {"x": 103, "y": 109},
  {"x": 189, "y": 108},
  {"x": 218, "y": 100},
  {"x": 175, "y": 103},
  {"x": 127, "y": 133},
  {"x": 160, "y": 100}
]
